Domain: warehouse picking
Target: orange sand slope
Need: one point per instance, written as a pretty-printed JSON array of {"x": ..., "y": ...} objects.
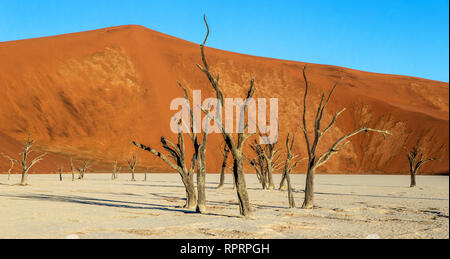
[{"x": 88, "y": 94}]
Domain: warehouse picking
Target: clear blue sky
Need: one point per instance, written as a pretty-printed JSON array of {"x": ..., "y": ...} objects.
[{"x": 407, "y": 37}]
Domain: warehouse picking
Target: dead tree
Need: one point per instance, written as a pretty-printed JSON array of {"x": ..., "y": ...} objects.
[
  {"x": 60, "y": 169},
  {"x": 417, "y": 158},
  {"x": 283, "y": 185},
  {"x": 268, "y": 158},
  {"x": 82, "y": 170},
  {"x": 265, "y": 163},
  {"x": 315, "y": 161},
  {"x": 225, "y": 153},
  {"x": 177, "y": 154},
  {"x": 24, "y": 160},
  {"x": 235, "y": 145},
  {"x": 288, "y": 167},
  {"x": 72, "y": 167},
  {"x": 132, "y": 164},
  {"x": 200, "y": 154},
  {"x": 10, "y": 169},
  {"x": 11, "y": 166},
  {"x": 115, "y": 171},
  {"x": 259, "y": 164},
  {"x": 145, "y": 174},
  {"x": 272, "y": 157},
  {"x": 201, "y": 173},
  {"x": 258, "y": 171}
]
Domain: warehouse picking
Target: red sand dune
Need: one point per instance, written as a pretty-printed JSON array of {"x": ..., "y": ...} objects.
[{"x": 88, "y": 94}]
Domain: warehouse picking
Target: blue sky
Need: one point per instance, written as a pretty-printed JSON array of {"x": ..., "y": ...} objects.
[{"x": 406, "y": 37}]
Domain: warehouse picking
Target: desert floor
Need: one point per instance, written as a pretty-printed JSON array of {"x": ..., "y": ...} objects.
[{"x": 355, "y": 206}]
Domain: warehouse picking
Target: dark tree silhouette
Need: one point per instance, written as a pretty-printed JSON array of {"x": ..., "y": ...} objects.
[
  {"x": 26, "y": 166},
  {"x": 314, "y": 160},
  {"x": 417, "y": 157},
  {"x": 235, "y": 145}
]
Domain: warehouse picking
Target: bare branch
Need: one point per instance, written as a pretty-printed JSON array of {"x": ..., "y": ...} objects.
[
  {"x": 36, "y": 160},
  {"x": 305, "y": 128},
  {"x": 158, "y": 154},
  {"x": 10, "y": 158},
  {"x": 333, "y": 121},
  {"x": 337, "y": 146}
]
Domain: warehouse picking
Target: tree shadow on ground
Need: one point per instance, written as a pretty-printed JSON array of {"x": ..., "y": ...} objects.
[
  {"x": 380, "y": 196},
  {"x": 165, "y": 186},
  {"x": 107, "y": 203},
  {"x": 259, "y": 206}
]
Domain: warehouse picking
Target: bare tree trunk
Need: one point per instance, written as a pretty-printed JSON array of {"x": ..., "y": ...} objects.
[
  {"x": 290, "y": 192},
  {"x": 226, "y": 153},
  {"x": 10, "y": 167},
  {"x": 24, "y": 166},
  {"x": 12, "y": 161},
  {"x": 263, "y": 172},
  {"x": 201, "y": 175},
  {"x": 72, "y": 167},
  {"x": 82, "y": 170},
  {"x": 222, "y": 178},
  {"x": 309, "y": 189},
  {"x": 9, "y": 174},
  {"x": 288, "y": 167},
  {"x": 413, "y": 179},
  {"x": 239, "y": 176},
  {"x": 60, "y": 173},
  {"x": 115, "y": 171},
  {"x": 132, "y": 175},
  {"x": 260, "y": 169},
  {"x": 270, "y": 176},
  {"x": 283, "y": 183},
  {"x": 24, "y": 180},
  {"x": 191, "y": 198},
  {"x": 263, "y": 182},
  {"x": 132, "y": 164}
]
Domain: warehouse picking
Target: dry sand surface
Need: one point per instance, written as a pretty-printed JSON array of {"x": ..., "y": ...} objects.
[{"x": 353, "y": 206}]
